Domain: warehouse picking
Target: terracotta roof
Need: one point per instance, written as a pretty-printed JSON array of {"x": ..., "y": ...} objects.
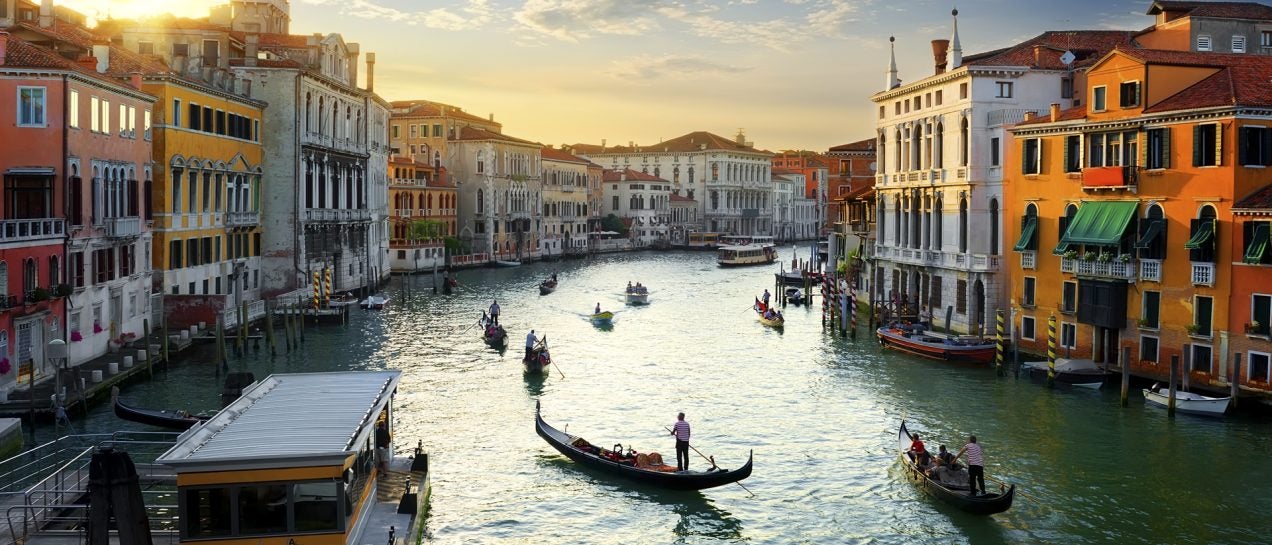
[
  {"x": 23, "y": 54},
  {"x": 692, "y": 142},
  {"x": 860, "y": 145},
  {"x": 553, "y": 154},
  {"x": 293, "y": 41},
  {"x": 1259, "y": 200},
  {"x": 474, "y": 133},
  {"x": 1218, "y": 10},
  {"x": 675, "y": 197},
  {"x": 425, "y": 108},
  {"x": 1242, "y": 80},
  {"x": 269, "y": 63},
  {"x": 1044, "y": 50},
  {"x": 784, "y": 171},
  {"x": 631, "y": 176},
  {"x": 1077, "y": 112},
  {"x": 122, "y": 61}
]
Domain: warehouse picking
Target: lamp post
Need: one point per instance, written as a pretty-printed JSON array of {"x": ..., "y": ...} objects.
[{"x": 55, "y": 354}]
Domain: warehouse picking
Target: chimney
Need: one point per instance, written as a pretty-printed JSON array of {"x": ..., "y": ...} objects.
[
  {"x": 102, "y": 53},
  {"x": 940, "y": 49},
  {"x": 1055, "y": 111},
  {"x": 135, "y": 79},
  {"x": 492, "y": 118},
  {"x": 179, "y": 64},
  {"x": 1029, "y": 116},
  {"x": 4, "y": 45},
  {"x": 370, "y": 72},
  {"x": 250, "y": 43},
  {"x": 602, "y": 143},
  {"x": 46, "y": 13},
  {"x": 1037, "y": 55},
  {"x": 88, "y": 62}
]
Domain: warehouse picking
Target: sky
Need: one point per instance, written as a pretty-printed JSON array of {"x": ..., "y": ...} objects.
[{"x": 793, "y": 74}]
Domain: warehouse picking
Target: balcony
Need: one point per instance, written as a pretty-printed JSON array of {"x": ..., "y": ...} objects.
[
  {"x": 122, "y": 227},
  {"x": 1028, "y": 260},
  {"x": 32, "y": 229},
  {"x": 336, "y": 215},
  {"x": 242, "y": 219},
  {"x": 1115, "y": 269},
  {"x": 1150, "y": 270},
  {"x": 403, "y": 212},
  {"x": 1108, "y": 177},
  {"x": 750, "y": 212},
  {"x": 408, "y": 182},
  {"x": 1203, "y": 274}
]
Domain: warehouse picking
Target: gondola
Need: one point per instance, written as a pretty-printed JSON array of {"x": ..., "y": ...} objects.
[
  {"x": 795, "y": 297},
  {"x": 539, "y": 361},
  {"x": 775, "y": 323},
  {"x": 956, "y": 495},
  {"x": 936, "y": 346},
  {"x": 547, "y": 286},
  {"x": 177, "y": 420},
  {"x": 623, "y": 466},
  {"x": 497, "y": 339}
]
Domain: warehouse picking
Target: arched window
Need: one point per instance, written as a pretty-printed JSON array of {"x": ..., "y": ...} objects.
[
  {"x": 882, "y": 155},
  {"x": 916, "y": 148},
  {"x": 1152, "y": 240},
  {"x": 309, "y": 111},
  {"x": 481, "y": 162},
  {"x": 993, "y": 227},
  {"x": 962, "y": 225},
  {"x": 30, "y": 276},
  {"x": 54, "y": 272},
  {"x": 896, "y": 164},
  {"x": 882, "y": 213},
  {"x": 938, "y": 147},
  {"x": 481, "y": 201},
  {"x": 964, "y": 142},
  {"x": 715, "y": 200}
]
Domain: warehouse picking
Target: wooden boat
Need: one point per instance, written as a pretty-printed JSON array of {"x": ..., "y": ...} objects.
[
  {"x": 449, "y": 285},
  {"x": 300, "y": 451},
  {"x": 777, "y": 322},
  {"x": 539, "y": 361},
  {"x": 795, "y": 297},
  {"x": 1188, "y": 402},
  {"x": 953, "y": 494},
  {"x": 496, "y": 337},
  {"x": 637, "y": 295},
  {"x": 631, "y": 467},
  {"x": 505, "y": 263},
  {"x": 374, "y": 302},
  {"x": 796, "y": 277},
  {"x": 935, "y": 345},
  {"x": 1069, "y": 372},
  {"x": 602, "y": 318},
  {"x": 751, "y": 254},
  {"x": 164, "y": 418},
  {"x": 547, "y": 286}
]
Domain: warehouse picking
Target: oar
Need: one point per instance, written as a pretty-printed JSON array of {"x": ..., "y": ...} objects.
[
  {"x": 713, "y": 463},
  {"x": 471, "y": 326},
  {"x": 550, "y": 360},
  {"x": 1005, "y": 486}
]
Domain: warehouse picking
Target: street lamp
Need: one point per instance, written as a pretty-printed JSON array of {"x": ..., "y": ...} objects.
[{"x": 55, "y": 353}]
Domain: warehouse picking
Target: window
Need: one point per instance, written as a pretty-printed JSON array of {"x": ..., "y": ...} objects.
[
  {"x": 1098, "y": 98},
  {"x": 1004, "y": 89},
  {"x": 72, "y": 110},
  {"x": 176, "y": 112},
  {"x": 1201, "y": 358},
  {"x": 993, "y": 152},
  {"x": 1129, "y": 94},
  {"x": 1073, "y": 153},
  {"x": 1069, "y": 298},
  {"x": 123, "y": 120},
  {"x": 897, "y": 106},
  {"x": 1202, "y": 315},
  {"x": 938, "y": 98},
  {"x": 1203, "y": 42},
  {"x": 208, "y": 511},
  {"x": 105, "y": 113},
  {"x": 1027, "y": 327},
  {"x": 1148, "y": 349},
  {"x": 1265, "y": 38},
  {"x": 960, "y": 295},
  {"x": 1238, "y": 44},
  {"x": 94, "y": 118},
  {"x": 211, "y": 52},
  {"x": 437, "y": 131},
  {"x": 882, "y": 112},
  {"x": 1254, "y": 146},
  {"x": 1113, "y": 149},
  {"x": 146, "y": 48},
  {"x": 145, "y": 124},
  {"x": 1150, "y": 314},
  {"x": 1066, "y": 87},
  {"x": 181, "y": 50},
  {"x": 413, "y": 130},
  {"x": 962, "y": 91},
  {"x": 1068, "y": 335},
  {"x": 31, "y": 104},
  {"x": 1158, "y": 148},
  {"x": 1027, "y": 299},
  {"x": 1258, "y": 367},
  {"x": 1261, "y": 313},
  {"x": 1207, "y": 145},
  {"x": 1031, "y": 156}
]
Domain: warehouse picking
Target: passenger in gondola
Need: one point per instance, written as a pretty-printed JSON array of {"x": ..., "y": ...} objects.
[{"x": 918, "y": 453}]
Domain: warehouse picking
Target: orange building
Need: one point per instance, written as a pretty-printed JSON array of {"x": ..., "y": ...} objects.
[
  {"x": 816, "y": 169},
  {"x": 1126, "y": 235},
  {"x": 422, "y": 215},
  {"x": 1251, "y": 308}
]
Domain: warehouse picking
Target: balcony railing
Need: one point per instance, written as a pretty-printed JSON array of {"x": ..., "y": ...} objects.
[
  {"x": 1121, "y": 270},
  {"x": 242, "y": 219},
  {"x": 1028, "y": 260},
  {"x": 122, "y": 227},
  {"x": 32, "y": 229},
  {"x": 1150, "y": 270},
  {"x": 1203, "y": 274},
  {"x": 336, "y": 215}
]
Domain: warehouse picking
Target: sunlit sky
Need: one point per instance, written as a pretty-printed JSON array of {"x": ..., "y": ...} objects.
[{"x": 795, "y": 74}]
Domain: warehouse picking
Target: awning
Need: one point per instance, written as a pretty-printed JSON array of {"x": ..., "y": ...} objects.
[
  {"x": 1061, "y": 248},
  {"x": 1204, "y": 233},
  {"x": 1258, "y": 245},
  {"x": 1027, "y": 233},
  {"x": 1154, "y": 229},
  {"x": 1100, "y": 223}
]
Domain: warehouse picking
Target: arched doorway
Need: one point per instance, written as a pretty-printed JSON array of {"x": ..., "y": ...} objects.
[{"x": 978, "y": 308}]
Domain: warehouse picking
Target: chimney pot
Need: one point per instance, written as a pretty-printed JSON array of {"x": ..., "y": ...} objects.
[
  {"x": 135, "y": 79},
  {"x": 371, "y": 72},
  {"x": 940, "y": 50},
  {"x": 1055, "y": 111},
  {"x": 1029, "y": 116},
  {"x": 4, "y": 45}
]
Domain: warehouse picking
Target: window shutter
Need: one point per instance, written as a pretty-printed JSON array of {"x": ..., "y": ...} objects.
[
  {"x": 1165, "y": 146},
  {"x": 1144, "y": 144},
  {"x": 1024, "y": 156},
  {"x": 1067, "y": 144},
  {"x": 1265, "y": 154},
  {"x": 1218, "y": 144},
  {"x": 1243, "y": 140},
  {"x": 1196, "y": 145}
]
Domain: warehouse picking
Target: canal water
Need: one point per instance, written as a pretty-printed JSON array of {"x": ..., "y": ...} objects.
[{"x": 820, "y": 413}]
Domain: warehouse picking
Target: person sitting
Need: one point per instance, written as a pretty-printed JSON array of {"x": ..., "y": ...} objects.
[
  {"x": 918, "y": 453},
  {"x": 946, "y": 458}
]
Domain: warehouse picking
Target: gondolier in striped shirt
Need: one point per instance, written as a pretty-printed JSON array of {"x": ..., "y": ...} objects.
[
  {"x": 975, "y": 464},
  {"x": 681, "y": 431}
]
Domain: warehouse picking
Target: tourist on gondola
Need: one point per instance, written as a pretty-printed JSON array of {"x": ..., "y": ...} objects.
[
  {"x": 530, "y": 340},
  {"x": 681, "y": 431},
  {"x": 494, "y": 312},
  {"x": 975, "y": 464},
  {"x": 918, "y": 452}
]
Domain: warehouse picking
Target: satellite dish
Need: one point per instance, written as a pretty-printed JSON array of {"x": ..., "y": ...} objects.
[{"x": 1068, "y": 57}]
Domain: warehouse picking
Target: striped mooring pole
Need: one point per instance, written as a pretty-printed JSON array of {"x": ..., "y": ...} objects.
[
  {"x": 317, "y": 289},
  {"x": 825, "y": 302},
  {"x": 852, "y": 309},
  {"x": 326, "y": 285},
  {"x": 998, "y": 354},
  {"x": 1051, "y": 350}
]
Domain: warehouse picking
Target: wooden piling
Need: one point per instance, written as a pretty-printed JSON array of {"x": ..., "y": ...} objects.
[
  {"x": 165, "y": 342},
  {"x": 221, "y": 351},
  {"x": 1126, "y": 375},
  {"x": 1174, "y": 371},
  {"x": 243, "y": 320},
  {"x": 269, "y": 328},
  {"x": 1236, "y": 379},
  {"x": 145, "y": 334}
]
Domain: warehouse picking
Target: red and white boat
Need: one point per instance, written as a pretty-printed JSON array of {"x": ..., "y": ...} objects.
[{"x": 936, "y": 346}]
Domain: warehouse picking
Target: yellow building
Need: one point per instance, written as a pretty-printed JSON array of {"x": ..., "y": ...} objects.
[
  {"x": 565, "y": 203},
  {"x": 420, "y": 129},
  {"x": 419, "y": 195},
  {"x": 208, "y": 157}
]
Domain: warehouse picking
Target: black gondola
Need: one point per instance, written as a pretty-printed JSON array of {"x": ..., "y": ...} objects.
[
  {"x": 539, "y": 360},
  {"x": 986, "y": 504},
  {"x": 177, "y": 420},
  {"x": 496, "y": 337},
  {"x": 547, "y": 286},
  {"x": 609, "y": 461}
]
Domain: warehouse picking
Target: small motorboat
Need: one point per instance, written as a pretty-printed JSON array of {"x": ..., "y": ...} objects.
[
  {"x": 1069, "y": 372},
  {"x": 1188, "y": 402},
  {"x": 539, "y": 360},
  {"x": 776, "y": 322},
  {"x": 602, "y": 318},
  {"x": 936, "y": 346},
  {"x": 645, "y": 468},
  {"x": 637, "y": 295},
  {"x": 506, "y": 263},
  {"x": 547, "y": 286},
  {"x": 165, "y": 418},
  {"x": 374, "y": 302},
  {"x": 795, "y": 297},
  {"x": 954, "y": 492}
]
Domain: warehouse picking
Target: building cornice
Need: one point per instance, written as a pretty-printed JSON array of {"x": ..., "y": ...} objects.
[
  {"x": 205, "y": 89},
  {"x": 958, "y": 73},
  {"x": 1144, "y": 121}
]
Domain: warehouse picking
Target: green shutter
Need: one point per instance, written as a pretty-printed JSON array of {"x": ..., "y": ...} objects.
[
  {"x": 1143, "y": 149},
  {"x": 1165, "y": 147},
  {"x": 1154, "y": 228},
  {"x": 1205, "y": 230},
  {"x": 1243, "y": 140},
  {"x": 1258, "y": 245},
  {"x": 1265, "y": 154},
  {"x": 1068, "y": 142},
  {"x": 1196, "y": 145},
  {"x": 1028, "y": 228}
]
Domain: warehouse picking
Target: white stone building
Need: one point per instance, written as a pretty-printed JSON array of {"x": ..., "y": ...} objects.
[
  {"x": 642, "y": 201},
  {"x": 940, "y": 168},
  {"x": 499, "y": 182}
]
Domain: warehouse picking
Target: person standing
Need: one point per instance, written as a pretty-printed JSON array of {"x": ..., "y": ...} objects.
[
  {"x": 975, "y": 464},
  {"x": 382, "y": 442},
  {"x": 925, "y": 318},
  {"x": 681, "y": 431},
  {"x": 598, "y": 308},
  {"x": 530, "y": 340},
  {"x": 766, "y": 297},
  {"x": 494, "y": 312}
]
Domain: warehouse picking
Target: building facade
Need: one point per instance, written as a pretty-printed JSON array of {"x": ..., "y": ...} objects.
[
  {"x": 643, "y": 202},
  {"x": 422, "y": 214},
  {"x": 499, "y": 181},
  {"x": 565, "y": 203},
  {"x": 815, "y": 169}
]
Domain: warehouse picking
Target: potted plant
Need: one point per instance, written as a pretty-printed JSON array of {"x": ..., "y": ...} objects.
[
  {"x": 5, "y": 367},
  {"x": 76, "y": 336},
  {"x": 1254, "y": 327},
  {"x": 1071, "y": 254},
  {"x": 1105, "y": 257},
  {"x": 1144, "y": 323},
  {"x": 97, "y": 328},
  {"x": 1124, "y": 258},
  {"x": 1088, "y": 256},
  {"x": 1193, "y": 329}
]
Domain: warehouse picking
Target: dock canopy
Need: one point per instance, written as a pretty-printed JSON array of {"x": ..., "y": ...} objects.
[
  {"x": 1027, "y": 231},
  {"x": 1100, "y": 223}
]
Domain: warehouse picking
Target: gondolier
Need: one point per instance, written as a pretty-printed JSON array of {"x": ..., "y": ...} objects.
[
  {"x": 494, "y": 312},
  {"x": 681, "y": 431},
  {"x": 530, "y": 340},
  {"x": 975, "y": 464}
]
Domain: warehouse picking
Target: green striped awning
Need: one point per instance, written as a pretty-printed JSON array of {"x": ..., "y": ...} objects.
[
  {"x": 1027, "y": 232},
  {"x": 1154, "y": 229},
  {"x": 1258, "y": 245},
  {"x": 1100, "y": 223},
  {"x": 1061, "y": 248},
  {"x": 1204, "y": 233}
]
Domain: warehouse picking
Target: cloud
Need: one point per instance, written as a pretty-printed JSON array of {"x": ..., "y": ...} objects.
[
  {"x": 646, "y": 67},
  {"x": 466, "y": 15},
  {"x": 571, "y": 20}
]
